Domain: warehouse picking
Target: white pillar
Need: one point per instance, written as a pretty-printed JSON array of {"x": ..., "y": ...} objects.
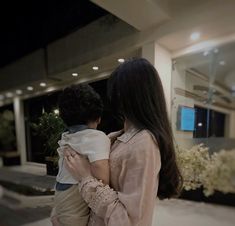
[
  {"x": 148, "y": 52},
  {"x": 232, "y": 125},
  {"x": 161, "y": 59},
  {"x": 20, "y": 129}
]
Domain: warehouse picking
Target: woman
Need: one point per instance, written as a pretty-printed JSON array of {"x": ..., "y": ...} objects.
[{"x": 142, "y": 160}]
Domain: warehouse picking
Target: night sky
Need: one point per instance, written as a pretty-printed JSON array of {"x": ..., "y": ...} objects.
[{"x": 29, "y": 25}]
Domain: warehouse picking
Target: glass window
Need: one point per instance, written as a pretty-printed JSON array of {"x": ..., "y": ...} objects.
[
  {"x": 203, "y": 88},
  {"x": 34, "y": 108},
  {"x": 203, "y": 122}
]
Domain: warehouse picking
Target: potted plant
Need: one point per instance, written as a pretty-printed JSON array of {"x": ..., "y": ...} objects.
[
  {"x": 8, "y": 139},
  {"x": 7, "y": 131},
  {"x": 49, "y": 129}
]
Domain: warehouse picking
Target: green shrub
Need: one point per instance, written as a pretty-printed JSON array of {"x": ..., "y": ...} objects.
[
  {"x": 49, "y": 129},
  {"x": 7, "y": 131}
]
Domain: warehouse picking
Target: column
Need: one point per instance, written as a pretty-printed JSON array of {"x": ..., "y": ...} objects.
[
  {"x": 232, "y": 124},
  {"x": 161, "y": 59},
  {"x": 20, "y": 128}
]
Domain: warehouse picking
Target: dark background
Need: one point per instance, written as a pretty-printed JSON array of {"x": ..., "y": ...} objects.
[
  {"x": 213, "y": 123},
  {"x": 34, "y": 108},
  {"x": 29, "y": 25}
]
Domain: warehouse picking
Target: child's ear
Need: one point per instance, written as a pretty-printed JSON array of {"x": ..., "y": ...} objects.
[{"x": 98, "y": 120}]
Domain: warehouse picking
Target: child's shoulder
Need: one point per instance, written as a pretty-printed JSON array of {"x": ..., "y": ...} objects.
[{"x": 96, "y": 133}]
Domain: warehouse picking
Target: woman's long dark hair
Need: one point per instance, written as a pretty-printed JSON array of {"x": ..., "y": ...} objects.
[{"x": 136, "y": 91}]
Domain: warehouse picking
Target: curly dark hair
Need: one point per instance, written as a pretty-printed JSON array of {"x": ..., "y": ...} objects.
[{"x": 80, "y": 104}]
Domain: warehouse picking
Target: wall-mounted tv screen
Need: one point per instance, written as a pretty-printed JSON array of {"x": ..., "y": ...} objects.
[{"x": 186, "y": 118}]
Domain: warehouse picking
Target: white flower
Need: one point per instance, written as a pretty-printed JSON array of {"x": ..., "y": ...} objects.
[
  {"x": 192, "y": 163},
  {"x": 214, "y": 173},
  {"x": 219, "y": 174}
]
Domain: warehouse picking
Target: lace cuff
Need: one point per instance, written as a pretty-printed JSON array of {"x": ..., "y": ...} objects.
[
  {"x": 96, "y": 194},
  {"x": 84, "y": 181}
]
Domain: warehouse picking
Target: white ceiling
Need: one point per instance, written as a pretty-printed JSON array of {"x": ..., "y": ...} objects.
[
  {"x": 85, "y": 74},
  {"x": 141, "y": 14},
  {"x": 174, "y": 20},
  {"x": 170, "y": 23}
]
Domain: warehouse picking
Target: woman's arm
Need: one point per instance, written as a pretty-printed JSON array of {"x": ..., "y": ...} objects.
[{"x": 133, "y": 205}]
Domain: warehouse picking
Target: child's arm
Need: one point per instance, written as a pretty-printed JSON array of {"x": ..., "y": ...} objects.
[{"x": 100, "y": 170}]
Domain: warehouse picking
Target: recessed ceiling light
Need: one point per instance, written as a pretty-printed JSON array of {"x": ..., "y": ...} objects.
[
  {"x": 56, "y": 111},
  {"x": 195, "y": 36},
  {"x": 75, "y": 74},
  {"x": 95, "y": 68},
  {"x": 222, "y": 63},
  {"x": 9, "y": 94},
  {"x": 200, "y": 124},
  {"x": 50, "y": 89},
  {"x": 43, "y": 84},
  {"x": 30, "y": 88},
  {"x": 1, "y": 97},
  {"x": 121, "y": 60},
  {"x": 19, "y": 91}
]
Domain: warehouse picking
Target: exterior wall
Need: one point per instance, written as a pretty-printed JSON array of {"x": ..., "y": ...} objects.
[
  {"x": 163, "y": 64},
  {"x": 231, "y": 122},
  {"x": 161, "y": 59}
]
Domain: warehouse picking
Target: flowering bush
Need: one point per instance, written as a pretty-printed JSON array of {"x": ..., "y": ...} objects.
[
  {"x": 192, "y": 163},
  {"x": 219, "y": 174},
  {"x": 213, "y": 173},
  {"x": 49, "y": 129}
]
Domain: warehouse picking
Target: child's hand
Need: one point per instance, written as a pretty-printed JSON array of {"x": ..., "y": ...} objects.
[
  {"x": 113, "y": 136},
  {"x": 55, "y": 221}
]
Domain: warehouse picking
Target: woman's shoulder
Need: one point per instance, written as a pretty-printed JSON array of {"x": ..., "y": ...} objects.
[
  {"x": 144, "y": 146},
  {"x": 143, "y": 137},
  {"x": 143, "y": 140}
]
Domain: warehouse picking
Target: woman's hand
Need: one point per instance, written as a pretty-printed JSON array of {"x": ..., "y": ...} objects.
[
  {"x": 113, "y": 136},
  {"x": 77, "y": 165}
]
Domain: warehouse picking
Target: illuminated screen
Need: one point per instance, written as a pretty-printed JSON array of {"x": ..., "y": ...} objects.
[{"x": 186, "y": 118}]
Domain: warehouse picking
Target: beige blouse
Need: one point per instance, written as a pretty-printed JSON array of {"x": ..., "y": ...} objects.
[{"x": 134, "y": 165}]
